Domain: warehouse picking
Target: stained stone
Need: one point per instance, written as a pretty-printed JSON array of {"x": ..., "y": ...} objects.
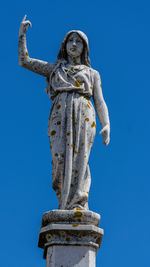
[
  {"x": 75, "y": 231},
  {"x": 71, "y": 84},
  {"x": 70, "y": 236},
  {"x": 65, "y": 256},
  {"x": 71, "y": 216}
]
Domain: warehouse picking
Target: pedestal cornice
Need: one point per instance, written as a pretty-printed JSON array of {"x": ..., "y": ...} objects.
[{"x": 70, "y": 228}]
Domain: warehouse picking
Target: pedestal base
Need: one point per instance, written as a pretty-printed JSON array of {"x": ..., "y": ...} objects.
[{"x": 70, "y": 238}]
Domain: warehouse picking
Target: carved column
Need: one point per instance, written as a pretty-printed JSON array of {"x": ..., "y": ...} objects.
[{"x": 70, "y": 238}]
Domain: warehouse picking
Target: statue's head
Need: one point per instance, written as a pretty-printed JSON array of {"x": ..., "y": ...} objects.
[{"x": 75, "y": 44}]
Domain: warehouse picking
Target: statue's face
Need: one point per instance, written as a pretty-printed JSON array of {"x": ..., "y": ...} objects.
[{"x": 74, "y": 46}]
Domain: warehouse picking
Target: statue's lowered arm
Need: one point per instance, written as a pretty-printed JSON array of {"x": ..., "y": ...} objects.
[
  {"x": 101, "y": 109},
  {"x": 38, "y": 66}
]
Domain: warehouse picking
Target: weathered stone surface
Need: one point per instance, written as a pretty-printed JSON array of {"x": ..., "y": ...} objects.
[
  {"x": 71, "y": 216},
  {"x": 72, "y": 235},
  {"x": 71, "y": 83},
  {"x": 70, "y": 228},
  {"x": 64, "y": 256}
]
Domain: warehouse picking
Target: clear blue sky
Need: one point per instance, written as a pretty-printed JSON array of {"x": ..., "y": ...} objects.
[{"x": 119, "y": 37}]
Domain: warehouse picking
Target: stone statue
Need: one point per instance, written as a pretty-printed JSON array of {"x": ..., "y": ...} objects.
[{"x": 71, "y": 82}]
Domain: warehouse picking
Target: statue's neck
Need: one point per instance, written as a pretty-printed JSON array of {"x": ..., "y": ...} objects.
[{"x": 74, "y": 60}]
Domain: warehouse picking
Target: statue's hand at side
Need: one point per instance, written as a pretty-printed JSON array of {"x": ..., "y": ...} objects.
[
  {"x": 105, "y": 132},
  {"x": 24, "y": 26}
]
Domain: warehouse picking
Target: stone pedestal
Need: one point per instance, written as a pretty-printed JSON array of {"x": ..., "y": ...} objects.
[{"x": 70, "y": 238}]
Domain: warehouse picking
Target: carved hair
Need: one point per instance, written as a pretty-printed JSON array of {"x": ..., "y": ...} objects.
[{"x": 62, "y": 55}]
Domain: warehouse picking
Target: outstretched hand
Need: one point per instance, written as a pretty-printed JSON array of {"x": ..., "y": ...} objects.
[
  {"x": 105, "y": 132},
  {"x": 24, "y": 26}
]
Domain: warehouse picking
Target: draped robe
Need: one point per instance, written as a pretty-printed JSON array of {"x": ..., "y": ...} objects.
[{"x": 71, "y": 129}]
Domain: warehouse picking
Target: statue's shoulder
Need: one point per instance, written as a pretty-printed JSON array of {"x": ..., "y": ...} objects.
[
  {"x": 52, "y": 67},
  {"x": 95, "y": 73}
]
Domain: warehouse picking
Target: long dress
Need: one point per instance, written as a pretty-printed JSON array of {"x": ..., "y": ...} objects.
[
  {"x": 72, "y": 123},
  {"x": 71, "y": 129}
]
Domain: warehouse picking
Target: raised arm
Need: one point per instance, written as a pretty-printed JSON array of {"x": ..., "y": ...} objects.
[
  {"x": 101, "y": 109},
  {"x": 41, "y": 67}
]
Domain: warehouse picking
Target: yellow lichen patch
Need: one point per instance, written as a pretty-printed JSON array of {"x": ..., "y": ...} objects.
[
  {"x": 53, "y": 133},
  {"x": 80, "y": 235},
  {"x": 27, "y": 54},
  {"x": 75, "y": 224},
  {"x": 68, "y": 134},
  {"x": 87, "y": 193},
  {"x": 86, "y": 97},
  {"x": 93, "y": 124},
  {"x": 59, "y": 106},
  {"x": 56, "y": 154},
  {"x": 88, "y": 106},
  {"x": 89, "y": 103},
  {"x": 78, "y": 208},
  {"x": 71, "y": 145},
  {"x": 67, "y": 238},
  {"x": 75, "y": 62},
  {"x": 75, "y": 123},
  {"x": 76, "y": 152},
  {"x": 100, "y": 85},
  {"x": 91, "y": 87},
  {"x": 72, "y": 68},
  {"x": 76, "y": 77},
  {"x": 77, "y": 83},
  {"x": 86, "y": 119},
  {"x": 77, "y": 214},
  {"x": 58, "y": 122}
]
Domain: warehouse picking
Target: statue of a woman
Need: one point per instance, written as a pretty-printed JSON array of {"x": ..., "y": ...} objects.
[{"x": 71, "y": 82}]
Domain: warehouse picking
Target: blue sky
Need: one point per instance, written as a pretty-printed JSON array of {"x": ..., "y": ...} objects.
[{"x": 119, "y": 38}]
